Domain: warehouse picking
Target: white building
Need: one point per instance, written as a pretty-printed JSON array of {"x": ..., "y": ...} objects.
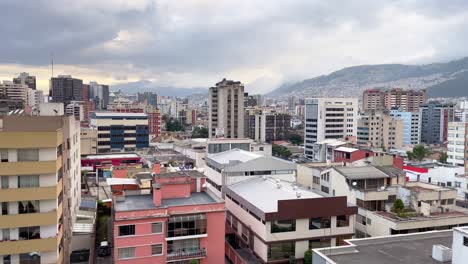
[
  {"x": 14, "y": 91},
  {"x": 35, "y": 97},
  {"x": 329, "y": 118},
  {"x": 457, "y": 143}
]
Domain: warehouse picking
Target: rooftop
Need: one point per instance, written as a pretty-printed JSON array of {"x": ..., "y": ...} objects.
[
  {"x": 145, "y": 201},
  {"x": 191, "y": 173},
  {"x": 412, "y": 248},
  {"x": 345, "y": 149},
  {"x": 112, "y": 156},
  {"x": 118, "y": 114},
  {"x": 265, "y": 194},
  {"x": 234, "y": 155},
  {"x": 363, "y": 172},
  {"x": 331, "y": 142}
]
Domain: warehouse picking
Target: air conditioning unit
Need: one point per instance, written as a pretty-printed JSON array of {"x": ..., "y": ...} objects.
[{"x": 441, "y": 253}]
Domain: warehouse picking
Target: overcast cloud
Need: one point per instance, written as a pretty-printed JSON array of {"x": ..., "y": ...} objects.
[{"x": 195, "y": 43}]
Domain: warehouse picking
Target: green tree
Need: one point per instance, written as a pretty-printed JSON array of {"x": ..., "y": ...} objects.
[
  {"x": 295, "y": 139},
  {"x": 200, "y": 132},
  {"x": 398, "y": 206},
  {"x": 280, "y": 151},
  {"x": 174, "y": 125},
  {"x": 443, "y": 157},
  {"x": 308, "y": 257},
  {"x": 419, "y": 153}
]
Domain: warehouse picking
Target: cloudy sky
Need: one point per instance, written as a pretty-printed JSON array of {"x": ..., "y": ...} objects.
[{"x": 194, "y": 43}]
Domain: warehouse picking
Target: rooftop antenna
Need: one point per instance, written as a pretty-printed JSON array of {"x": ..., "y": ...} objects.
[{"x": 52, "y": 61}]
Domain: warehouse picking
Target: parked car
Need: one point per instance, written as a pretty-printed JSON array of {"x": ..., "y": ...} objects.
[{"x": 104, "y": 249}]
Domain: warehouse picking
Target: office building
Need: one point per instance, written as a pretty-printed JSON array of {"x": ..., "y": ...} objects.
[
  {"x": 264, "y": 126},
  {"x": 252, "y": 100},
  {"x": 99, "y": 94},
  {"x": 226, "y": 114},
  {"x": 411, "y": 126},
  {"x": 154, "y": 120},
  {"x": 64, "y": 89},
  {"x": 268, "y": 221},
  {"x": 435, "y": 117},
  {"x": 457, "y": 147},
  {"x": 148, "y": 98},
  {"x": 376, "y": 129},
  {"x": 175, "y": 221},
  {"x": 76, "y": 110},
  {"x": 8, "y": 105},
  {"x": 14, "y": 91},
  {"x": 35, "y": 97},
  {"x": 25, "y": 78},
  {"x": 120, "y": 131},
  {"x": 329, "y": 118},
  {"x": 407, "y": 100},
  {"x": 40, "y": 187}
]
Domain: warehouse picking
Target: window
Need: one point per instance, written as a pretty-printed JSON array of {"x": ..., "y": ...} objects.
[
  {"x": 342, "y": 220},
  {"x": 280, "y": 226},
  {"x": 319, "y": 222},
  {"x": 157, "y": 249},
  {"x": 282, "y": 250},
  {"x": 4, "y": 208},
  {"x": 4, "y": 184},
  {"x": 6, "y": 259},
  {"x": 28, "y": 207},
  {"x": 125, "y": 253},
  {"x": 188, "y": 225},
  {"x": 184, "y": 245},
  {"x": 316, "y": 180},
  {"x": 325, "y": 189},
  {"x": 28, "y": 154},
  {"x": 465, "y": 241},
  {"x": 6, "y": 234},
  {"x": 3, "y": 155},
  {"x": 30, "y": 232},
  {"x": 319, "y": 243},
  {"x": 156, "y": 228},
  {"x": 28, "y": 181},
  {"x": 127, "y": 230}
]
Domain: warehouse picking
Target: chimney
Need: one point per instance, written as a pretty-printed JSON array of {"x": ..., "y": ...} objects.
[{"x": 157, "y": 194}]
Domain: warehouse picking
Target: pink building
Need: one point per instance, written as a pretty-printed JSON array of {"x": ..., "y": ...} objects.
[{"x": 178, "y": 221}]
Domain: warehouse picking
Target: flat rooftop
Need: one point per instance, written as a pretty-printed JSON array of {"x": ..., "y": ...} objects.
[
  {"x": 112, "y": 156},
  {"x": 145, "y": 201},
  {"x": 361, "y": 173},
  {"x": 413, "y": 248},
  {"x": 265, "y": 194},
  {"x": 233, "y": 155}
]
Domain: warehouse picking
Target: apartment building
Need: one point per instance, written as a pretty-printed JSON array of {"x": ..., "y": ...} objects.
[
  {"x": 40, "y": 187},
  {"x": 14, "y": 91},
  {"x": 329, "y": 118},
  {"x": 457, "y": 147},
  {"x": 35, "y": 97},
  {"x": 407, "y": 100},
  {"x": 226, "y": 110},
  {"x": 64, "y": 89},
  {"x": 25, "y": 78},
  {"x": 265, "y": 126},
  {"x": 99, "y": 94},
  {"x": 376, "y": 129},
  {"x": 88, "y": 141},
  {"x": 411, "y": 126},
  {"x": 228, "y": 167},
  {"x": 267, "y": 220},
  {"x": 120, "y": 131},
  {"x": 177, "y": 221},
  {"x": 435, "y": 117}
]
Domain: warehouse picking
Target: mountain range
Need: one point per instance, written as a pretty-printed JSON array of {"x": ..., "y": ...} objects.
[
  {"x": 148, "y": 86},
  {"x": 440, "y": 79}
]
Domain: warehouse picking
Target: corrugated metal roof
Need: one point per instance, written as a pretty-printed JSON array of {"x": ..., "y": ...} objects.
[{"x": 364, "y": 172}]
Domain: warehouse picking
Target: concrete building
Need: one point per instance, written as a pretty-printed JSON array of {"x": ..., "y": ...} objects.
[
  {"x": 322, "y": 151},
  {"x": 120, "y": 131},
  {"x": 267, "y": 221},
  {"x": 88, "y": 141},
  {"x": 51, "y": 109},
  {"x": 64, "y": 89},
  {"x": 8, "y": 105},
  {"x": 229, "y": 167},
  {"x": 226, "y": 110},
  {"x": 420, "y": 248},
  {"x": 35, "y": 97},
  {"x": 411, "y": 126},
  {"x": 265, "y": 126},
  {"x": 154, "y": 120},
  {"x": 148, "y": 98},
  {"x": 40, "y": 187},
  {"x": 329, "y": 118},
  {"x": 99, "y": 94},
  {"x": 376, "y": 129},
  {"x": 176, "y": 221},
  {"x": 373, "y": 99},
  {"x": 25, "y": 78},
  {"x": 406, "y": 100},
  {"x": 435, "y": 117},
  {"x": 14, "y": 91},
  {"x": 457, "y": 147},
  {"x": 75, "y": 109}
]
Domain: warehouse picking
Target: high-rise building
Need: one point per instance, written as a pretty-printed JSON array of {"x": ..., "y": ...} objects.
[
  {"x": 411, "y": 126},
  {"x": 35, "y": 97},
  {"x": 64, "y": 89},
  {"x": 263, "y": 126},
  {"x": 226, "y": 115},
  {"x": 406, "y": 100},
  {"x": 99, "y": 93},
  {"x": 457, "y": 147},
  {"x": 120, "y": 131},
  {"x": 14, "y": 91},
  {"x": 154, "y": 120},
  {"x": 7, "y": 104},
  {"x": 25, "y": 78},
  {"x": 148, "y": 98},
  {"x": 292, "y": 103},
  {"x": 85, "y": 92},
  {"x": 40, "y": 187},
  {"x": 435, "y": 117},
  {"x": 329, "y": 118},
  {"x": 376, "y": 129}
]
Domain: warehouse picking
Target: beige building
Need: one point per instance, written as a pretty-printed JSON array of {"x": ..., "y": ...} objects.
[
  {"x": 406, "y": 100},
  {"x": 14, "y": 91},
  {"x": 226, "y": 110},
  {"x": 376, "y": 129},
  {"x": 40, "y": 187},
  {"x": 88, "y": 141}
]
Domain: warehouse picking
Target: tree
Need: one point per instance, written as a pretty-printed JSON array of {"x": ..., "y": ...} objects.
[
  {"x": 295, "y": 139},
  {"x": 419, "y": 153},
  {"x": 200, "y": 132},
  {"x": 280, "y": 151},
  {"x": 443, "y": 157},
  {"x": 174, "y": 125},
  {"x": 308, "y": 257},
  {"x": 398, "y": 206}
]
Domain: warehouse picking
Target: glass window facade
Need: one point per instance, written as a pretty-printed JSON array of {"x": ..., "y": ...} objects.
[
  {"x": 281, "y": 226},
  {"x": 319, "y": 222},
  {"x": 281, "y": 251},
  {"x": 188, "y": 225}
]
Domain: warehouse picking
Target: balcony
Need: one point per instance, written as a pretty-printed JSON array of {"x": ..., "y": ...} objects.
[
  {"x": 23, "y": 220},
  {"x": 25, "y": 194},
  {"x": 30, "y": 167},
  {"x": 26, "y": 246},
  {"x": 371, "y": 194},
  {"x": 186, "y": 255}
]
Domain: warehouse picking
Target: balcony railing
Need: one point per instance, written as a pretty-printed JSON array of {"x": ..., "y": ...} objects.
[{"x": 186, "y": 254}]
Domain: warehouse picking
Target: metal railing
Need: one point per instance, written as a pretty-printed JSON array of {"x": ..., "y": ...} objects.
[{"x": 186, "y": 254}]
